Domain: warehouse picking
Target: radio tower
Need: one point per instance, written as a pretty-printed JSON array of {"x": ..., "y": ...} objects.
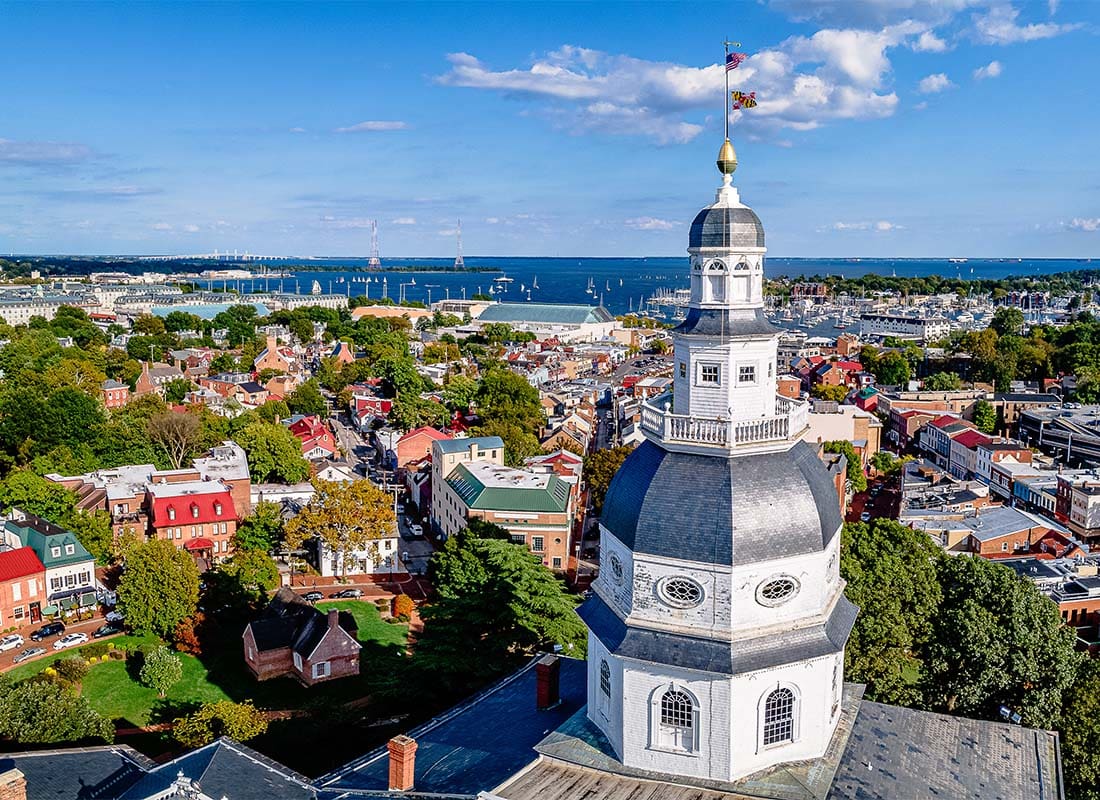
[
  {"x": 375, "y": 261},
  {"x": 459, "y": 263}
]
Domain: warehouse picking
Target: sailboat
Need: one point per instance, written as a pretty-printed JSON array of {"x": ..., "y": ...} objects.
[
  {"x": 620, "y": 281},
  {"x": 535, "y": 284},
  {"x": 591, "y": 287},
  {"x": 607, "y": 286}
]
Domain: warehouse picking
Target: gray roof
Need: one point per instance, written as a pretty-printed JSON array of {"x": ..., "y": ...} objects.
[
  {"x": 757, "y": 508},
  {"x": 713, "y": 655},
  {"x": 725, "y": 226},
  {"x": 549, "y": 313},
  {"x": 463, "y": 445},
  {"x": 476, "y": 746},
  {"x": 898, "y": 752},
  {"x": 723, "y": 322},
  {"x": 79, "y": 773},
  {"x": 225, "y": 768}
]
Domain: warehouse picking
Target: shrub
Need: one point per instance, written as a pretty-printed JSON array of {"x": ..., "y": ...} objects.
[
  {"x": 161, "y": 670},
  {"x": 240, "y": 721},
  {"x": 92, "y": 650},
  {"x": 403, "y": 606},
  {"x": 72, "y": 669},
  {"x": 187, "y": 634},
  {"x": 118, "y": 655}
]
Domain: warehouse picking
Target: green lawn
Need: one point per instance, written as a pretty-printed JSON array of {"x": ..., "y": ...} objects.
[{"x": 219, "y": 673}]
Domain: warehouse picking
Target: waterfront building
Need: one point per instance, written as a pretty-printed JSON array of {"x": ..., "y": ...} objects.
[{"x": 903, "y": 326}]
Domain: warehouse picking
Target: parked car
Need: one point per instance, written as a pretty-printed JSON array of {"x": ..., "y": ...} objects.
[
  {"x": 70, "y": 640},
  {"x": 48, "y": 630},
  {"x": 10, "y": 642},
  {"x": 313, "y": 596},
  {"x": 30, "y": 652},
  {"x": 416, "y": 530},
  {"x": 865, "y": 516},
  {"x": 107, "y": 630},
  {"x": 113, "y": 616},
  {"x": 348, "y": 593}
]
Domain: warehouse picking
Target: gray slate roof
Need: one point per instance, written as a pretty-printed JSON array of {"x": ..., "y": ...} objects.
[
  {"x": 712, "y": 655},
  {"x": 718, "y": 510},
  {"x": 226, "y": 768},
  {"x": 897, "y": 752},
  {"x": 722, "y": 226},
  {"x": 722, "y": 322},
  {"x": 289, "y": 621},
  {"x": 79, "y": 773}
]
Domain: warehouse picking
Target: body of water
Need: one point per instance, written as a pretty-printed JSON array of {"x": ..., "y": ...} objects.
[{"x": 620, "y": 283}]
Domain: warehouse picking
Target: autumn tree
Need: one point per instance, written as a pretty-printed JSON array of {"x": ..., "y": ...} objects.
[
  {"x": 346, "y": 518},
  {"x": 238, "y": 721},
  {"x": 159, "y": 587},
  {"x": 599, "y": 469},
  {"x": 176, "y": 434}
]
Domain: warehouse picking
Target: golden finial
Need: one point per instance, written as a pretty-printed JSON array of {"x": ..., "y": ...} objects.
[{"x": 727, "y": 158}]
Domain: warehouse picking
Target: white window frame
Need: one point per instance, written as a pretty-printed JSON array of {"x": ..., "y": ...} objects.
[
  {"x": 746, "y": 382},
  {"x": 55, "y": 552},
  {"x": 796, "y": 716},
  {"x": 297, "y": 661},
  {"x": 70, "y": 550},
  {"x": 321, "y": 669},
  {"x": 671, "y": 739},
  {"x": 700, "y": 380}
]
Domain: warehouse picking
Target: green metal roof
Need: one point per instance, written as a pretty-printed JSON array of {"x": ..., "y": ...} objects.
[
  {"x": 42, "y": 536},
  {"x": 550, "y": 313},
  {"x": 551, "y": 498}
]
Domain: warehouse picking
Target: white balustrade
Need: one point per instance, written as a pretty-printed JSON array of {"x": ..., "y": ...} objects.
[{"x": 791, "y": 417}]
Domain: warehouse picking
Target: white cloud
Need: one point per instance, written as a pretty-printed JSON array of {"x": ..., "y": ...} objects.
[
  {"x": 871, "y": 13},
  {"x": 935, "y": 83},
  {"x": 998, "y": 26},
  {"x": 374, "y": 125},
  {"x": 405, "y": 221},
  {"x": 161, "y": 226},
  {"x": 929, "y": 42},
  {"x": 921, "y": 106},
  {"x": 492, "y": 220},
  {"x": 42, "y": 153},
  {"x": 297, "y": 130},
  {"x": 881, "y": 226},
  {"x": 990, "y": 70},
  {"x": 448, "y": 232},
  {"x": 1052, "y": 5},
  {"x": 330, "y": 221},
  {"x": 650, "y": 224},
  {"x": 1088, "y": 224},
  {"x": 191, "y": 228}
]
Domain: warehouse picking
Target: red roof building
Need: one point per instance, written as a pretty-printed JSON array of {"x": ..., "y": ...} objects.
[
  {"x": 417, "y": 444},
  {"x": 318, "y": 442},
  {"x": 22, "y": 587},
  {"x": 198, "y": 516}
]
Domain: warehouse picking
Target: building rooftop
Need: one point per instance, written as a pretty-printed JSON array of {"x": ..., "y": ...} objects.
[
  {"x": 484, "y": 485},
  {"x": 548, "y": 313},
  {"x": 96, "y": 773},
  {"x": 988, "y": 523}
]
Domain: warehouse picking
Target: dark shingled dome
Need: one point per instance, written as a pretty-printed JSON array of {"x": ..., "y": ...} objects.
[
  {"x": 721, "y": 226},
  {"x": 717, "y": 510}
]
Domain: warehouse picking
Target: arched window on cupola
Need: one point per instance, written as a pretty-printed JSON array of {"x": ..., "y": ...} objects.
[
  {"x": 779, "y": 724},
  {"x": 604, "y": 698},
  {"x": 677, "y": 721}
]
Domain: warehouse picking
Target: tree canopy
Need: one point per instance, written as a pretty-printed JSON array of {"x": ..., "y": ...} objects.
[
  {"x": 346, "y": 518},
  {"x": 274, "y": 453},
  {"x": 599, "y": 469},
  {"x": 159, "y": 587}
]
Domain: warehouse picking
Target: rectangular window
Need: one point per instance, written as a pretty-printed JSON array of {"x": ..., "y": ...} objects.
[
  {"x": 16, "y": 593},
  {"x": 85, "y": 578},
  {"x": 519, "y": 538},
  {"x": 557, "y": 562},
  {"x": 18, "y": 612},
  {"x": 55, "y": 584},
  {"x": 297, "y": 662},
  {"x": 709, "y": 374},
  {"x": 70, "y": 581},
  {"x": 32, "y": 588},
  {"x": 536, "y": 543},
  {"x": 321, "y": 670},
  {"x": 683, "y": 369},
  {"x": 746, "y": 373},
  {"x": 70, "y": 549},
  {"x": 55, "y": 552}
]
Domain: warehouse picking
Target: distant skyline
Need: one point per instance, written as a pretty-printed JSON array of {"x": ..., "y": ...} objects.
[{"x": 902, "y": 128}]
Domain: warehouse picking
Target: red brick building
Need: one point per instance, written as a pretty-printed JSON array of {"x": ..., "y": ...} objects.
[
  {"x": 114, "y": 394},
  {"x": 416, "y": 444},
  {"x": 198, "y": 516},
  {"x": 317, "y": 440},
  {"x": 22, "y": 587},
  {"x": 294, "y": 639}
]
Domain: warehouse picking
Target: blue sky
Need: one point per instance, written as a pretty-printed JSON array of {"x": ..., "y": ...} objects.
[{"x": 885, "y": 127}]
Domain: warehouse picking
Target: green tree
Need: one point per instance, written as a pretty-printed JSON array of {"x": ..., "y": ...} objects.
[
  {"x": 308, "y": 400},
  {"x": 1080, "y": 733},
  {"x": 943, "y": 382},
  {"x": 857, "y": 479},
  {"x": 161, "y": 670},
  {"x": 238, "y": 721},
  {"x": 24, "y": 490},
  {"x": 176, "y": 390},
  {"x": 519, "y": 441},
  {"x": 836, "y": 394},
  {"x": 274, "y": 453},
  {"x": 495, "y": 604},
  {"x": 892, "y": 369},
  {"x": 891, "y": 575},
  {"x": 159, "y": 587},
  {"x": 599, "y": 469},
  {"x": 254, "y": 571},
  {"x": 262, "y": 530},
  {"x": 887, "y": 463},
  {"x": 273, "y": 411},
  {"x": 507, "y": 397},
  {"x": 996, "y": 640},
  {"x": 1007, "y": 320},
  {"x": 93, "y": 530},
  {"x": 45, "y": 712},
  {"x": 346, "y": 518},
  {"x": 459, "y": 392},
  {"x": 985, "y": 416},
  {"x": 414, "y": 412}
]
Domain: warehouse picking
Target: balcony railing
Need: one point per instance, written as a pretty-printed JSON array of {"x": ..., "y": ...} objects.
[{"x": 790, "y": 418}]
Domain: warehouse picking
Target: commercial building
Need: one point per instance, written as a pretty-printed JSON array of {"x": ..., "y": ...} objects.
[{"x": 903, "y": 326}]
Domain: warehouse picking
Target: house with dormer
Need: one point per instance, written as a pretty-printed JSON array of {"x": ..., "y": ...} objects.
[
  {"x": 69, "y": 568},
  {"x": 198, "y": 516}
]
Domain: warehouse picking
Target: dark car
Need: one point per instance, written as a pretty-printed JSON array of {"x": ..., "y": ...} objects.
[
  {"x": 107, "y": 630},
  {"x": 48, "y": 630},
  {"x": 313, "y": 596},
  {"x": 349, "y": 593},
  {"x": 30, "y": 652}
]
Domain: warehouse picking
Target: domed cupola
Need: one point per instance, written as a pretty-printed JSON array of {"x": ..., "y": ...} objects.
[{"x": 717, "y": 629}]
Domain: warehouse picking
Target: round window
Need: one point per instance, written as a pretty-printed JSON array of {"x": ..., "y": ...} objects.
[
  {"x": 776, "y": 591},
  {"x": 680, "y": 592},
  {"x": 616, "y": 568}
]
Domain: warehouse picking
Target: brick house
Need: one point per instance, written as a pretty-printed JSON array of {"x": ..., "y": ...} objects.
[
  {"x": 114, "y": 394},
  {"x": 417, "y": 443},
  {"x": 198, "y": 516},
  {"x": 317, "y": 440},
  {"x": 293, "y": 639},
  {"x": 282, "y": 359},
  {"x": 68, "y": 575},
  {"x": 22, "y": 587}
]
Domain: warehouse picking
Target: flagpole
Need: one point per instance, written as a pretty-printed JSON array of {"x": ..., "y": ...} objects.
[{"x": 726, "y": 99}]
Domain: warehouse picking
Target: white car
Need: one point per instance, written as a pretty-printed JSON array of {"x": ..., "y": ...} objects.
[
  {"x": 416, "y": 530},
  {"x": 10, "y": 642},
  {"x": 70, "y": 640}
]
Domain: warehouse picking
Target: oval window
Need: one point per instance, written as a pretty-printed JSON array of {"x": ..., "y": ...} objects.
[
  {"x": 680, "y": 592},
  {"x": 776, "y": 591},
  {"x": 616, "y": 569}
]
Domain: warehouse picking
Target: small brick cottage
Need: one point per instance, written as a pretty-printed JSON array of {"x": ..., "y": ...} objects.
[{"x": 292, "y": 638}]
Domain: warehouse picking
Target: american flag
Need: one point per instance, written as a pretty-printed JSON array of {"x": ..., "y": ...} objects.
[{"x": 733, "y": 59}]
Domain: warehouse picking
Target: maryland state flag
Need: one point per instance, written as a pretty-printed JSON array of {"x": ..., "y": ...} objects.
[{"x": 743, "y": 100}]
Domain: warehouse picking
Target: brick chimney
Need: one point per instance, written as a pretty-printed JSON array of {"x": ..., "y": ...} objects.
[
  {"x": 547, "y": 672},
  {"x": 13, "y": 786},
  {"x": 402, "y": 763},
  {"x": 333, "y": 618}
]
